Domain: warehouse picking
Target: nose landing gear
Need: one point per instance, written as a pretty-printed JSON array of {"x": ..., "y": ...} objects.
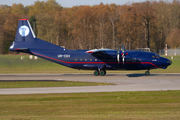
[{"x": 147, "y": 73}]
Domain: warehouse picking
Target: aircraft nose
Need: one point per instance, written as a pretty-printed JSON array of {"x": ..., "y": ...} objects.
[
  {"x": 166, "y": 63},
  {"x": 169, "y": 62}
]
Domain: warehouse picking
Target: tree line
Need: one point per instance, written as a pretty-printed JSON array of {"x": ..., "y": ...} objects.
[{"x": 148, "y": 24}]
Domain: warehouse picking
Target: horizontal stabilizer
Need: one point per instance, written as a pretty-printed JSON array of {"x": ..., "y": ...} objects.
[{"x": 21, "y": 50}]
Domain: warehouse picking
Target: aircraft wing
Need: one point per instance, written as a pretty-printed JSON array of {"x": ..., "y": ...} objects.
[
  {"x": 99, "y": 50},
  {"x": 103, "y": 54}
]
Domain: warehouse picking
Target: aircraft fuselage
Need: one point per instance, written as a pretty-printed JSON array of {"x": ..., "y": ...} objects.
[{"x": 99, "y": 60}]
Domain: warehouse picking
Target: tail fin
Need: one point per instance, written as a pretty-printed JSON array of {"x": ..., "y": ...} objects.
[
  {"x": 26, "y": 40},
  {"x": 24, "y": 31}
]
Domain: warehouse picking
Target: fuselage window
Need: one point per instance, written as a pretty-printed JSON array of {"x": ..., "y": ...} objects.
[
  {"x": 85, "y": 59},
  {"x": 80, "y": 59},
  {"x": 90, "y": 59},
  {"x": 75, "y": 59},
  {"x": 134, "y": 60},
  {"x": 95, "y": 59}
]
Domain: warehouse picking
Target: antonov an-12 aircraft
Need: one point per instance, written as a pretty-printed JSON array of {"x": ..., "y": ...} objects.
[{"x": 99, "y": 60}]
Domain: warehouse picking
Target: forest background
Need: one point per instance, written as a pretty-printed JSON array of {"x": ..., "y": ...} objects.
[{"x": 150, "y": 24}]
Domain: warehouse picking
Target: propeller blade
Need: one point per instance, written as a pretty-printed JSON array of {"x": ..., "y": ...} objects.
[
  {"x": 118, "y": 49},
  {"x": 118, "y": 54},
  {"x": 123, "y": 48},
  {"x": 123, "y": 59},
  {"x": 118, "y": 58}
]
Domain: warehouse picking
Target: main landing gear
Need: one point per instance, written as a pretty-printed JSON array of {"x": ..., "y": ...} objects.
[
  {"x": 147, "y": 73},
  {"x": 103, "y": 72},
  {"x": 99, "y": 72}
]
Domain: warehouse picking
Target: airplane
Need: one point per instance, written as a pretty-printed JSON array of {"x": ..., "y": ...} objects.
[{"x": 99, "y": 60}]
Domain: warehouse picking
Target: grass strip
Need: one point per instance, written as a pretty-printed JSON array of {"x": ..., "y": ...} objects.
[
  {"x": 156, "y": 105},
  {"x": 33, "y": 84}
]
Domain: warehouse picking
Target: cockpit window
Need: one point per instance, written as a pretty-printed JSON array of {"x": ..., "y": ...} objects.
[{"x": 156, "y": 56}]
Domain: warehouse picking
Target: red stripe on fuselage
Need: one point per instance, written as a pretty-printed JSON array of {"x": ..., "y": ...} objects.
[
  {"x": 94, "y": 62},
  {"x": 149, "y": 63}
]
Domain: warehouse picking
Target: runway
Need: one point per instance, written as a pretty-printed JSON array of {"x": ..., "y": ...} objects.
[{"x": 123, "y": 82}]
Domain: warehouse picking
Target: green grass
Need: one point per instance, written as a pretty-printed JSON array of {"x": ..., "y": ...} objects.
[
  {"x": 31, "y": 84},
  {"x": 13, "y": 64},
  {"x": 159, "y": 105}
]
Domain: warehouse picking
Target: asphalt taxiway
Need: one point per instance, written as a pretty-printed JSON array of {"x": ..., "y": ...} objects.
[{"x": 123, "y": 82}]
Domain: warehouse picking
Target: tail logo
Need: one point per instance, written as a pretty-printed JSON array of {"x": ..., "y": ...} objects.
[{"x": 24, "y": 31}]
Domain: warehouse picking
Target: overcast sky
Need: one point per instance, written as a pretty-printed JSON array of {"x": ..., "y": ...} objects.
[{"x": 70, "y": 3}]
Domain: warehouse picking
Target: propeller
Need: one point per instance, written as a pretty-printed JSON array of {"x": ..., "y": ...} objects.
[
  {"x": 118, "y": 54},
  {"x": 123, "y": 48},
  {"x": 122, "y": 54}
]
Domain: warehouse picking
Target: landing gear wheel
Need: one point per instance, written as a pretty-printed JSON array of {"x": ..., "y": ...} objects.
[
  {"x": 96, "y": 72},
  {"x": 147, "y": 73},
  {"x": 102, "y": 72}
]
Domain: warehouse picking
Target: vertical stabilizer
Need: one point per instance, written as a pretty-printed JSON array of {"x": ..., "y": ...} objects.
[
  {"x": 24, "y": 31},
  {"x": 26, "y": 41}
]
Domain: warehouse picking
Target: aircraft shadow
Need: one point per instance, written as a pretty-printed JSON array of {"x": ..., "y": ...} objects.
[{"x": 138, "y": 75}]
